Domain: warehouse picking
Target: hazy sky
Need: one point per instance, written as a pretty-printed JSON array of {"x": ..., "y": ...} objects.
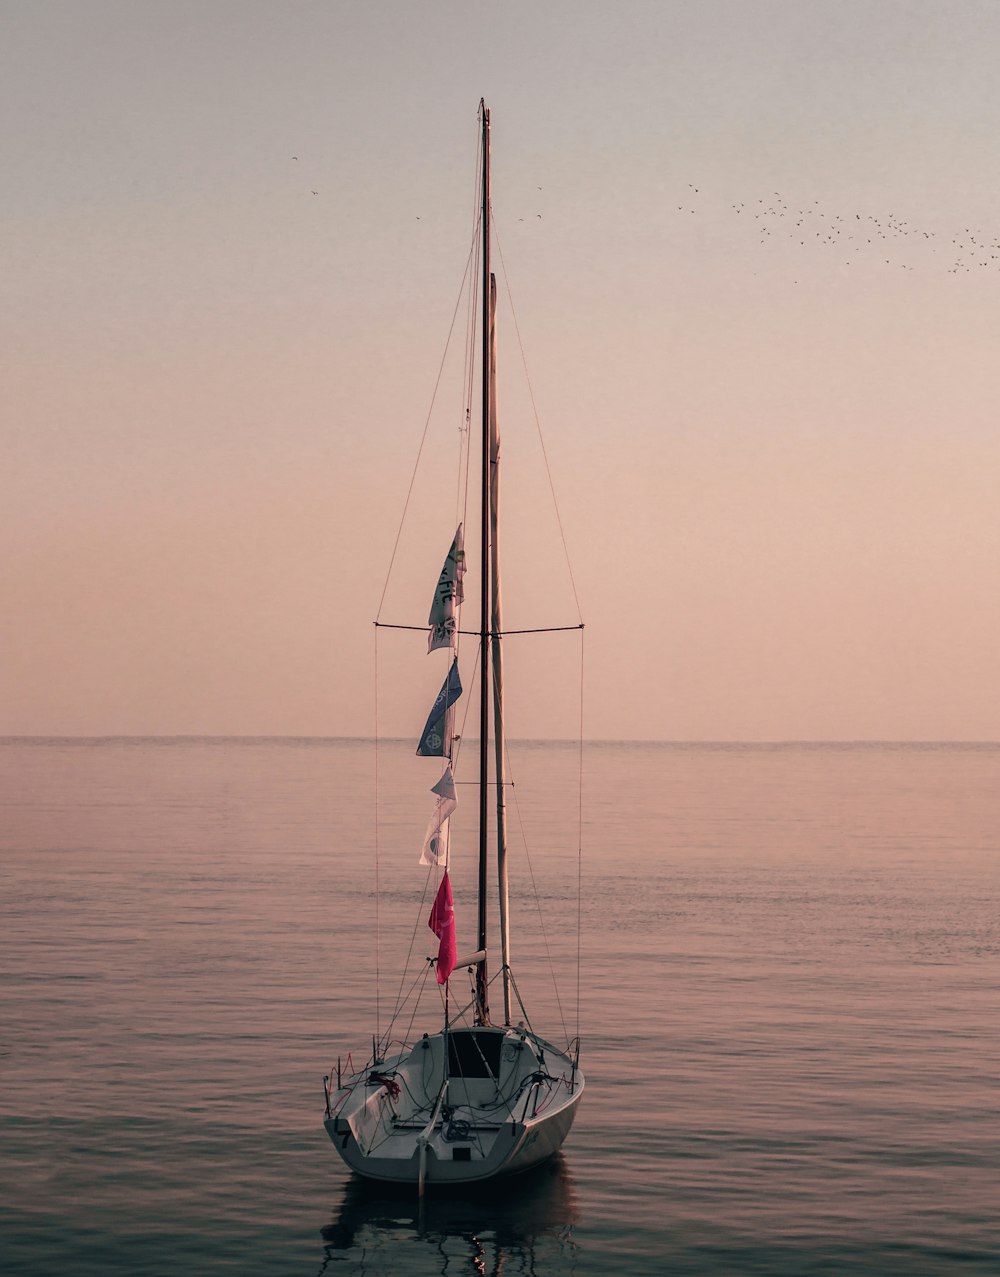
[{"x": 761, "y": 310}]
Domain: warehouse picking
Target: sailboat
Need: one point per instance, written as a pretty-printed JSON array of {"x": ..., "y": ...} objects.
[{"x": 477, "y": 1097}]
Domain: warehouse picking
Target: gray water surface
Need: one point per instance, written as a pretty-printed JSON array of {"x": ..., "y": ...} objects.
[{"x": 789, "y": 991}]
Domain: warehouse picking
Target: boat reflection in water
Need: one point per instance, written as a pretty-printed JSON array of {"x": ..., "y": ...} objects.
[{"x": 516, "y": 1224}]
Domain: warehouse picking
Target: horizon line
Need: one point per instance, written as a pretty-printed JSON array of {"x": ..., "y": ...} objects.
[{"x": 707, "y": 742}]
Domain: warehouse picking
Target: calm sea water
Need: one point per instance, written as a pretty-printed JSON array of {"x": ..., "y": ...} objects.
[{"x": 791, "y": 961}]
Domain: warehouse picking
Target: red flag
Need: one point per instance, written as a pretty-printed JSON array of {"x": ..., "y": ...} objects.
[{"x": 442, "y": 923}]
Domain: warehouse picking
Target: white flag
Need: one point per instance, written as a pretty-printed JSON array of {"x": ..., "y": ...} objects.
[
  {"x": 449, "y": 593},
  {"x": 445, "y": 788},
  {"x": 435, "y": 848}
]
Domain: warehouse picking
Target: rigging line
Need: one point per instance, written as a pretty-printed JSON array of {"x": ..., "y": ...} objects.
[
  {"x": 460, "y": 480},
  {"x": 468, "y": 364},
  {"x": 462, "y": 490},
  {"x": 534, "y": 888},
  {"x": 544, "y": 629},
  {"x": 538, "y": 424},
  {"x": 417, "y": 979},
  {"x": 469, "y": 376},
  {"x": 469, "y": 369},
  {"x": 378, "y": 894},
  {"x": 579, "y": 858},
  {"x": 400, "y": 1000},
  {"x": 463, "y": 1014},
  {"x": 520, "y": 1003},
  {"x": 456, "y": 745},
  {"x": 427, "y": 422},
  {"x": 419, "y": 1106},
  {"x": 416, "y": 1002}
]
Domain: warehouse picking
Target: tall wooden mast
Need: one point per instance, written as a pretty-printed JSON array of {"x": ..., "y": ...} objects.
[{"x": 482, "y": 1010}]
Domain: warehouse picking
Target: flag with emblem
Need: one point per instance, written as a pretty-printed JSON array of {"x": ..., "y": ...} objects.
[{"x": 433, "y": 739}]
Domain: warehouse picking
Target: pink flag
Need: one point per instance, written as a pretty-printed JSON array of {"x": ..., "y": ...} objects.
[{"x": 442, "y": 923}]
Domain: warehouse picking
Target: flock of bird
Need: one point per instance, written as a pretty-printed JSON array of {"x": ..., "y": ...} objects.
[
  {"x": 889, "y": 238},
  {"x": 897, "y": 242}
]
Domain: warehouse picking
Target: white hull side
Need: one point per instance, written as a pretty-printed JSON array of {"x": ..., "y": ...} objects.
[{"x": 518, "y": 1147}]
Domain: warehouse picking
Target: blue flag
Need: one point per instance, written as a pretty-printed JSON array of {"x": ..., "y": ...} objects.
[{"x": 432, "y": 742}]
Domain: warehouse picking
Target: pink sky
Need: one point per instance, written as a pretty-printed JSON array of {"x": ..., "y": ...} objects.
[{"x": 777, "y": 461}]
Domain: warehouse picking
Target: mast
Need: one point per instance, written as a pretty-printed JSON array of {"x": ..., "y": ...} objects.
[
  {"x": 496, "y": 619},
  {"x": 482, "y": 1011}
]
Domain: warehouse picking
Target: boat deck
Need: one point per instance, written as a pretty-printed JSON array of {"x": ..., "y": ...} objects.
[{"x": 513, "y": 1098}]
